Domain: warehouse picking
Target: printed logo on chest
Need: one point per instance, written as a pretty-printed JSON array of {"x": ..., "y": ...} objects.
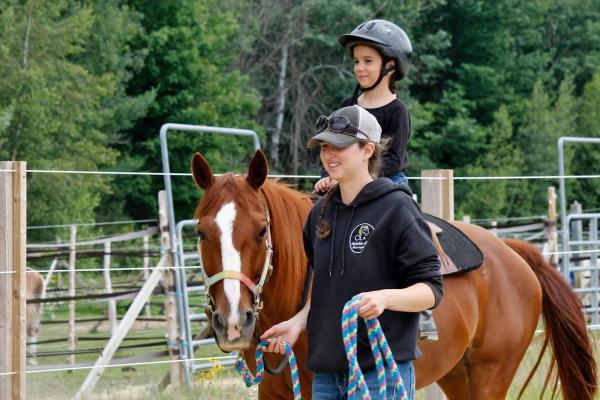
[{"x": 359, "y": 237}]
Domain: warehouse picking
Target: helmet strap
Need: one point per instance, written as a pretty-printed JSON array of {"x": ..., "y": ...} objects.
[{"x": 384, "y": 70}]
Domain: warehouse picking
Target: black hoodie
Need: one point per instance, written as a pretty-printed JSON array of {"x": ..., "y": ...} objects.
[{"x": 379, "y": 241}]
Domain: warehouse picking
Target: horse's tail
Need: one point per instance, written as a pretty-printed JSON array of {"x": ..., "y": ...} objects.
[{"x": 566, "y": 330}]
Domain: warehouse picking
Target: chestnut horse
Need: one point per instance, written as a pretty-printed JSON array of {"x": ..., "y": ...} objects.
[{"x": 486, "y": 319}]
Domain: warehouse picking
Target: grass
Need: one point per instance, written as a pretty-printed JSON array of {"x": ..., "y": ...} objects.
[{"x": 142, "y": 382}]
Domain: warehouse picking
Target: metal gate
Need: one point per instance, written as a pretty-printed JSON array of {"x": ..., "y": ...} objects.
[
  {"x": 581, "y": 260},
  {"x": 186, "y": 314},
  {"x": 579, "y": 240}
]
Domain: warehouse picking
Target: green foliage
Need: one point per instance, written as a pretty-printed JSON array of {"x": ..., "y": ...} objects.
[
  {"x": 586, "y": 159},
  {"x": 546, "y": 120},
  {"x": 191, "y": 50},
  {"x": 87, "y": 86},
  {"x": 502, "y": 157},
  {"x": 52, "y": 105}
]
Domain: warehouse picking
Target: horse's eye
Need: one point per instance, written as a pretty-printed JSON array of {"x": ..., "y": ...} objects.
[
  {"x": 201, "y": 235},
  {"x": 262, "y": 233}
]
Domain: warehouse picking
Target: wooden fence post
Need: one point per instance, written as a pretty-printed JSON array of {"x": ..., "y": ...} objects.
[
  {"x": 146, "y": 264},
  {"x": 551, "y": 232},
  {"x": 437, "y": 197},
  {"x": 169, "y": 287},
  {"x": 115, "y": 340},
  {"x": 437, "y": 193},
  {"x": 13, "y": 238},
  {"x": 48, "y": 278},
  {"x": 112, "y": 304},
  {"x": 72, "y": 256}
]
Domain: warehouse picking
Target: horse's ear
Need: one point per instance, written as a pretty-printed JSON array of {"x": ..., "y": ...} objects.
[
  {"x": 201, "y": 171},
  {"x": 258, "y": 169}
]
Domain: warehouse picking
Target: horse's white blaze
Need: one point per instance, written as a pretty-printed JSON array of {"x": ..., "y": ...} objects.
[{"x": 231, "y": 261}]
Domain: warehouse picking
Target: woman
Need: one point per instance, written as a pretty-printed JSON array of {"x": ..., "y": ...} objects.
[{"x": 366, "y": 236}]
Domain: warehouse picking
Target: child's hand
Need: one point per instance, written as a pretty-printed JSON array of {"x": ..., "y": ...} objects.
[{"x": 323, "y": 184}]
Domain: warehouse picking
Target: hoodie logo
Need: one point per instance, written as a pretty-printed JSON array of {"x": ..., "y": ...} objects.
[{"x": 358, "y": 237}]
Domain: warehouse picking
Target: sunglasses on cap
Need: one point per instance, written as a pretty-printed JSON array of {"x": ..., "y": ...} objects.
[{"x": 338, "y": 124}]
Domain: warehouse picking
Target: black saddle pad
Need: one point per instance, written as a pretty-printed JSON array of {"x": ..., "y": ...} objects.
[{"x": 465, "y": 254}]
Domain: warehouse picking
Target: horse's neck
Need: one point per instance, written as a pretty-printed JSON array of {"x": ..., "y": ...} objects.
[{"x": 282, "y": 295}]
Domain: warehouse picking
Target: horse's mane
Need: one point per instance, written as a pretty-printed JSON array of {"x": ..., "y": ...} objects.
[{"x": 289, "y": 210}]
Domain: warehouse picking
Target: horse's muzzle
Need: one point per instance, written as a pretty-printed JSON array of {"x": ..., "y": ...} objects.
[{"x": 236, "y": 334}]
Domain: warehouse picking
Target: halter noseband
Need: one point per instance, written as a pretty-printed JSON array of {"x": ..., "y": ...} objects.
[{"x": 257, "y": 288}]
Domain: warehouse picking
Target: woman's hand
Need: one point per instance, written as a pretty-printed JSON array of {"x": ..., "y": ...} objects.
[
  {"x": 287, "y": 330},
  {"x": 372, "y": 304},
  {"x": 324, "y": 184}
]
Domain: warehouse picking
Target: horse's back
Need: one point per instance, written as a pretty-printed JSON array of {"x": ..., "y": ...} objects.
[{"x": 35, "y": 283}]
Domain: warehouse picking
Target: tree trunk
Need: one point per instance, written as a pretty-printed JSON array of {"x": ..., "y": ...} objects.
[{"x": 280, "y": 109}]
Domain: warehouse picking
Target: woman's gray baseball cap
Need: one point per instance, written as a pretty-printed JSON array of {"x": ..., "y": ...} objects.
[{"x": 367, "y": 128}]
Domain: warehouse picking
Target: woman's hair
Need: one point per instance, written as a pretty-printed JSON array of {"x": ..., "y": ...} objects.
[{"x": 374, "y": 168}]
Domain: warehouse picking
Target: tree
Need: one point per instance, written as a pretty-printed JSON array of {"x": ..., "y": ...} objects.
[
  {"x": 545, "y": 122},
  {"x": 586, "y": 157},
  {"x": 192, "y": 48},
  {"x": 502, "y": 157},
  {"x": 54, "y": 108}
]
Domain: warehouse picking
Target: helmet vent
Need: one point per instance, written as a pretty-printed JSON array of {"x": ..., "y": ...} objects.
[{"x": 370, "y": 26}]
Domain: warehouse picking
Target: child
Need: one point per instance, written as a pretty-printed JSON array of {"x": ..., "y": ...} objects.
[{"x": 381, "y": 53}]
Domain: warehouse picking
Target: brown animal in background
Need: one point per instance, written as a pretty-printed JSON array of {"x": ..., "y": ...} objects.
[{"x": 35, "y": 290}]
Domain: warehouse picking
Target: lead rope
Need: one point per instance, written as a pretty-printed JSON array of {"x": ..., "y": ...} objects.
[
  {"x": 249, "y": 379},
  {"x": 379, "y": 345},
  {"x": 356, "y": 378}
]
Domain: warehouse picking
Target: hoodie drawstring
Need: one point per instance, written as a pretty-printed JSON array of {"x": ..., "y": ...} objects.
[
  {"x": 345, "y": 235},
  {"x": 332, "y": 238}
]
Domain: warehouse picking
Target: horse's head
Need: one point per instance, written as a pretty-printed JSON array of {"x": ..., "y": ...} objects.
[{"x": 234, "y": 245}]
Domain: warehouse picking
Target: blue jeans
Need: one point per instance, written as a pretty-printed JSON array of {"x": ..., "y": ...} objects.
[
  {"x": 400, "y": 177},
  {"x": 334, "y": 386}
]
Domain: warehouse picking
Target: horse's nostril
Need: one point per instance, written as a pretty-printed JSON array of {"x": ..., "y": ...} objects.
[
  {"x": 218, "y": 322},
  {"x": 249, "y": 320}
]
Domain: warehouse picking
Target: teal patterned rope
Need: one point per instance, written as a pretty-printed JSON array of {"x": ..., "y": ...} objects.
[
  {"x": 249, "y": 379},
  {"x": 380, "y": 349}
]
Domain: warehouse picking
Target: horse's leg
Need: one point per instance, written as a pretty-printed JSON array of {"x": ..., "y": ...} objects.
[
  {"x": 481, "y": 375},
  {"x": 32, "y": 350},
  {"x": 455, "y": 383},
  {"x": 32, "y": 328},
  {"x": 456, "y": 319},
  {"x": 510, "y": 306}
]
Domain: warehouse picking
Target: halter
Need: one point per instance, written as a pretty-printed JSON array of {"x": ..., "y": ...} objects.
[{"x": 257, "y": 288}]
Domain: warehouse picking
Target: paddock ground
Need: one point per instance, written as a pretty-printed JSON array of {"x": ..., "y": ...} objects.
[{"x": 141, "y": 382}]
